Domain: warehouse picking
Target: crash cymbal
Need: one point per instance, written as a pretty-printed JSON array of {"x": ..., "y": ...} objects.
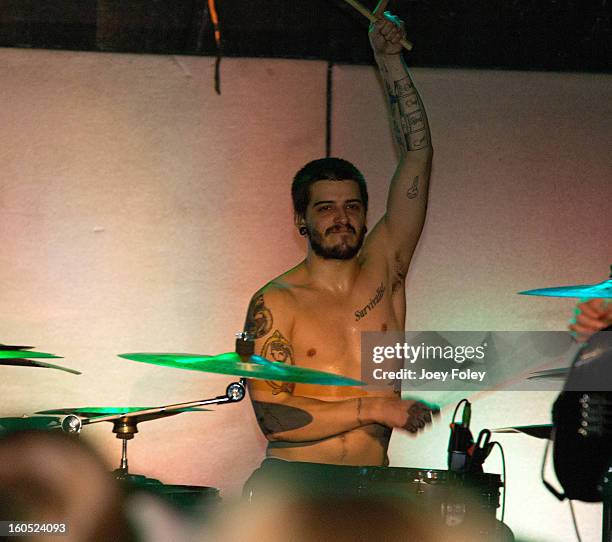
[
  {"x": 552, "y": 374},
  {"x": 542, "y": 431},
  {"x": 20, "y": 354},
  {"x": 232, "y": 364},
  {"x": 27, "y": 423},
  {"x": 582, "y": 291}
]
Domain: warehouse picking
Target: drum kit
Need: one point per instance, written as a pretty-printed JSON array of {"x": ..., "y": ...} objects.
[{"x": 242, "y": 363}]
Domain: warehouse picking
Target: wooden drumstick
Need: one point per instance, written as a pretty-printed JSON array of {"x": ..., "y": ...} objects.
[{"x": 370, "y": 16}]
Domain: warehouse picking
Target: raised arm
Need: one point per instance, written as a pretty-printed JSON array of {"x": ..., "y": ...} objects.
[
  {"x": 398, "y": 232},
  {"x": 283, "y": 416}
]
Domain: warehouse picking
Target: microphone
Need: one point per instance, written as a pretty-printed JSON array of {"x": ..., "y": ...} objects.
[{"x": 460, "y": 441}]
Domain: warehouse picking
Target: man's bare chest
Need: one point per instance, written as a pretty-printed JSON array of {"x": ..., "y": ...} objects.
[{"x": 326, "y": 332}]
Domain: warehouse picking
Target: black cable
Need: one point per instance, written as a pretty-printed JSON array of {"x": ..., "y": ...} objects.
[
  {"x": 503, "y": 458},
  {"x": 464, "y": 400},
  {"x": 328, "y": 111},
  {"x": 571, "y": 504}
]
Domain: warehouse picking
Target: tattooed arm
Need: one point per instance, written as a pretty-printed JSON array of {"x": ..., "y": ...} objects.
[
  {"x": 283, "y": 416},
  {"x": 398, "y": 232}
]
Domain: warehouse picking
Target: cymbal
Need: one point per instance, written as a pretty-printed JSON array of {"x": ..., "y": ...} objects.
[
  {"x": 36, "y": 363},
  {"x": 13, "y": 347},
  {"x": 582, "y": 291},
  {"x": 231, "y": 364},
  {"x": 542, "y": 431},
  {"x": 20, "y": 354},
  {"x": 558, "y": 373},
  {"x": 27, "y": 423}
]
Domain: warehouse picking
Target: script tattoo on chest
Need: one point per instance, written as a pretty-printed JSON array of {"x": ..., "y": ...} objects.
[
  {"x": 259, "y": 318},
  {"x": 380, "y": 292}
]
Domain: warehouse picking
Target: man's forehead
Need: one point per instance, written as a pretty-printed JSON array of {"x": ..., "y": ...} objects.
[{"x": 334, "y": 190}]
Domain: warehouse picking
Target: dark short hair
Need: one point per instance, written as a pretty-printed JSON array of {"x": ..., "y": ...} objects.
[{"x": 324, "y": 169}]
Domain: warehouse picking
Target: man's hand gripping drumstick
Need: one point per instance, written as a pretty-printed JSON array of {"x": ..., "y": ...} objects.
[{"x": 375, "y": 16}]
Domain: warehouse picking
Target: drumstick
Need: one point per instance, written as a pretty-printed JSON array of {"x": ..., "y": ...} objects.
[{"x": 370, "y": 16}]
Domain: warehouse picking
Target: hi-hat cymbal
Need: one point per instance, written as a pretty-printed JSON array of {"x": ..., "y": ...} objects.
[
  {"x": 582, "y": 291},
  {"x": 27, "y": 423},
  {"x": 94, "y": 412},
  {"x": 542, "y": 431},
  {"x": 232, "y": 364},
  {"x": 558, "y": 373}
]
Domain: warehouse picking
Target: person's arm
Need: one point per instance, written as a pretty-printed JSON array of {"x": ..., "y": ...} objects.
[
  {"x": 397, "y": 234},
  {"x": 590, "y": 317},
  {"x": 283, "y": 416}
]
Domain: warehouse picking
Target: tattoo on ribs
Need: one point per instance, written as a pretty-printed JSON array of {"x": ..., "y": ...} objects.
[
  {"x": 380, "y": 291},
  {"x": 259, "y": 318},
  {"x": 413, "y": 191},
  {"x": 278, "y": 348}
]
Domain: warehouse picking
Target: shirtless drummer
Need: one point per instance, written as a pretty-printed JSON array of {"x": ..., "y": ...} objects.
[{"x": 313, "y": 314}]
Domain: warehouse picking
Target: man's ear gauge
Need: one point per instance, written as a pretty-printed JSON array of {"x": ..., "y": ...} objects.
[{"x": 303, "y": 230}]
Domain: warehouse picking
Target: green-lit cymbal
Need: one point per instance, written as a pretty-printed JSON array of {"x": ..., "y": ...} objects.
[
  {"x": 20, "y": 354},
  {"x": 542, "y": 431},
  {"x": 91, "y": 412},
  {"x": 257, "y": 367},
  {"x": 559, "y": 373},
  {"x": 35, "y": 423},
  {"x": 582, "y": 291},
  {"x": 36, "y": 363}
]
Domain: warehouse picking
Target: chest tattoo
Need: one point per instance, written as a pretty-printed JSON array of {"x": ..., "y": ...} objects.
[
  {"x": 278, "y": 348},
  {"x": 380, "y": 291}
]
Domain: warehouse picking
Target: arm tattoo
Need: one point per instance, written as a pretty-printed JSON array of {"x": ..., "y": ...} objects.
[
  {"x": 278, "y": 348},
  {"x": 275, "y": 418},
  {"x": 412, "y": 115},
  {"x": 259, "y": 318},
  {"x": 410, "y": 127},
  {"x": 413, "y": 191}
]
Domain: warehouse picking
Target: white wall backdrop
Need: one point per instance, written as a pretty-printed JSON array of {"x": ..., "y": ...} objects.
[{"x": 139, "y": 211}]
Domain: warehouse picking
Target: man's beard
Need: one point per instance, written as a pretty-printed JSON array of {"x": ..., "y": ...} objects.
[{"x": 337, "y": 252}]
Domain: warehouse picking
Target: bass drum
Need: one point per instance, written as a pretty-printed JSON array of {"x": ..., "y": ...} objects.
[
  {"x": 460, "y": 502},
  {"x": 200, "y": 501}
]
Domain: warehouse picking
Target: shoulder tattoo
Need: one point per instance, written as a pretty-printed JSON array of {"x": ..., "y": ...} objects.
[{"x": 259, "y": 318}]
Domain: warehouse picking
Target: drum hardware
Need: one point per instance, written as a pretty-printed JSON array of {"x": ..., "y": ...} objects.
[
  {"x": 582, "y": 291},
  {"x": 125, "y": 420},
  {"x": 465, "y": 455}
]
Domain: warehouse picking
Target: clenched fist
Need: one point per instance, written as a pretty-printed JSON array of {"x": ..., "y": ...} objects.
[{"x": 387, "y": 32}]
